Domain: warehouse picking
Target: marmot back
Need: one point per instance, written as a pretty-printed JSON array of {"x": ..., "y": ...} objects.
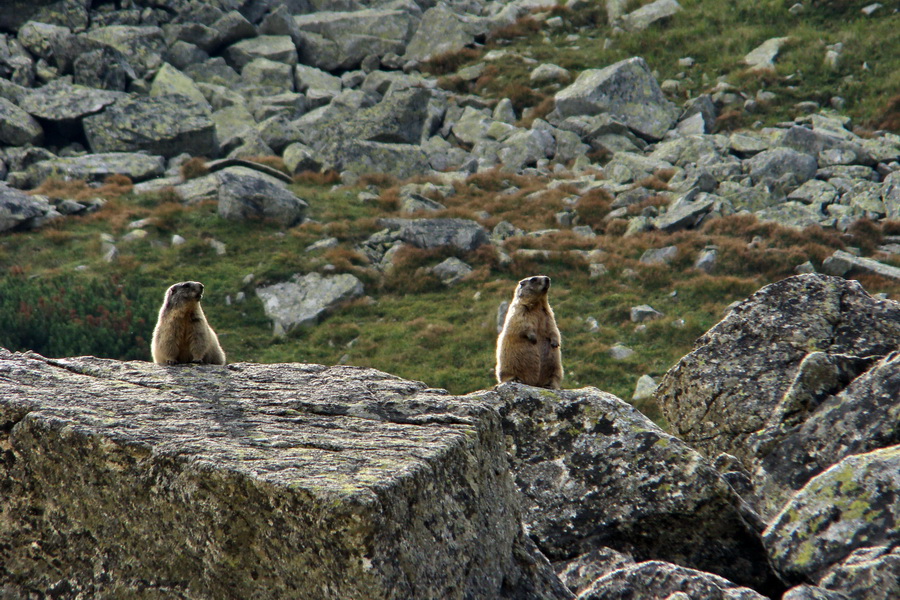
[
  {"x": 182, "y": 334},
  {"x": 528, "y": 348}
]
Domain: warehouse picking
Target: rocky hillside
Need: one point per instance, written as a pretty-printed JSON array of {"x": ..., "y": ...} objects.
[
  {"x": 306, "y": 481},
  {"x": 147, "y": 142}
]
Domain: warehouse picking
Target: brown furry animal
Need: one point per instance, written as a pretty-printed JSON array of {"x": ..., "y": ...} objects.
[
  {"x": 528, "y": 347},
  {"x": 182, "y": 334}
]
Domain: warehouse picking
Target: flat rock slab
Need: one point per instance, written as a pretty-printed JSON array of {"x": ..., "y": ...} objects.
[
  {"x": 60, "y": 101},
  {"x": 251, "y": 481},
  {"x": 97, "y": 167}
]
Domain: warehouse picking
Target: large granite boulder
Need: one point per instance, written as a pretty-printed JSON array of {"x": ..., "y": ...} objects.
[
  {"x": 627, "y": 91},
  {"x": 462, "y": 234},
  {"x": 264, "y": 481},
  {"x": 597, "y": 473},
  {"x": 97, "y": 167},
  {"x": 142, "y": 46},
  {"x": 739, "y": 372},
  {"x": 66, "y": 13},
  {"x": 782, "y": 167},
  {"x": 362, "y": 157},
  {"x": 247, "y": 194},
  {"x": 59, "y": 101},
  {"x": 443, "y": 30},
  {"x": 341, "y": 40},
  {"x": 166, "y": 125},
  {"x": 853, "y": 506},
  {"x": 657, "y": 580},
  {"x": 17, "y": 208},
  {"x": 278, "y": 48},
  {"x": 306, "y": 299},
  {"x": 17, "y": 127}
]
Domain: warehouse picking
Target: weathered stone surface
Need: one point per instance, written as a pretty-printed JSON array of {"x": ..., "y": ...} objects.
[
  {"x": 781, "y": 166},
  {"x": 741, "y": 369},
  {"x": 97, "y": 167},
  {"x": 103, "y": 68},
  {"x": 808, "y": 592},
  {"x": 263, "y": 481},
  {"x": 443, "y": 30},
  {"x": 451, "y": 270},
  {"x": 142, "y": 46},
  {"x": 398, "y": 119},
  {"x": 60, "y": 101},
  {"x": 364, "y": 157},
  {"x": 818, "y": 144},
  {"x": 165, "y": 125},
  {"x": 278, "y": 48},
  {"x": 649, "y": 14},
  {"x": 596, "y": 472},
  {"x": 169, "y": 80},
  {"x": 763, "y": 56},
  {"x": 683, "y": 214},
  {"x": 657, "y": 580},
  {"x": 247, "y": 194},
  {"x": 842, "y": 263},
  {"x": 627, "y": 91},
  {"x": 853, "y": 505},
  {"x": 462, "y": 234},
  {"x": 872, "y": 573},
  {"x": 18, "y": 208},
  {"x": 47, "y": 41},
  {"x": 67, "y": 13},
  {"x": 305, "y": 299},
  {"x": 341, "y": 40},
  {"x": 17, "y": 127}
]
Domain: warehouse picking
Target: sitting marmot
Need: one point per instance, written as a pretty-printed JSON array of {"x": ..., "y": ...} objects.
[
  {"x": 528, "y": 347},
  {"x": 182, "y": 334}
]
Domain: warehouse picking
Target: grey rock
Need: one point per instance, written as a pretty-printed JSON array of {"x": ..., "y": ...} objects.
[
  {"x": 18, "y": 209},
  {"x": 627, "y": 167},
  {"x": 49, "y": 42},
  {"x": 627, "y": 91},
  {"x": 864, "y": 198},
  {"x": 546, "y": 74},
  {"x": 67, "y": 13},
  {"x": 791, "y": 214},
  {"x": 214, "y": 71},
  {"x": 595, "y": 473},
  {"x": 182, "y": 54},
  {"x": 828, "y": 149},
  {"x": 266, "y": 74},
  {"x": 97, "y": 167},
  {"x": 525, "y": 147},
  {"x": 644, "y": 312},
  {"x": 660, "y": 580},
  {"x": 763, "y": 56},
  {"x": 278, "y": 48},
  {"x": 659, "y": 256},
  {"x": 872, "y": 573},
  {"x": 578, "y": 574},
  {"x": 451, "y": 271},
  {"x": 142, "y": 46},
  {"x": 837, "y": 405},
  {"x": 232, "y": 27},
  {"x": 235, "y": 125},
  {"x": 890, "y": 195},
  {"x": 809, "y": 592},
  {"x": 745, "y": 144},
  {"x": 201, "y": 461},
  {"x": 706, "y": 260},
  {"x": 169, "y": 80},
  {"x": 300, "y": 157},
  {"x": 316, "y": 83},
  {"x": 341, "y": 40},
  {"x": 103, "y": 68},
  {"x": 306, "y": 299},
  {"x": 704, "y": 396},
  {"x": 684, "y": 214},
  {"x": 247, "y": 194},
  {"x": 644, "y": 388},
  {"x": 647, "y": 15},
  {"x": 443, "y": 30},
  {"x": 165, "y": 125},
  {"x": 364, "y": 157},
  {"x": 815, "y": 191},
  {"x": 462, "y": 234},
  {"x": 398, "y": 119},
  {"x": 851, "y": 506},
  {"x": 17, "y": 127},
  {"x": 61, "y": 101},
  {"x": 843, "y": 262},
  {"x": 781, "y": 166}
]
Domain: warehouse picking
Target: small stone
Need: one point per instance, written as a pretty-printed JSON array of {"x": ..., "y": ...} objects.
[
  {"x": 644, "y": 388},
  {"x": 644, "y": 312},
  {"x": 177, "y": 240},
  {"x": 620, "y": 352},
  {"x": 806, "y": 267},
  {"x": 597, "y": 270}
]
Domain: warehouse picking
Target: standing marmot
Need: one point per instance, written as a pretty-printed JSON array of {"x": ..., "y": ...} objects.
[
  {"x": 528, "y": 347},
  {"x": 182, "y": 334}
]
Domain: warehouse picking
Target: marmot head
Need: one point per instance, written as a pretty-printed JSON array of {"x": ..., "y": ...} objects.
[
  {"x": 184, "y": 292},
  {"x": 533, "y": 288}
]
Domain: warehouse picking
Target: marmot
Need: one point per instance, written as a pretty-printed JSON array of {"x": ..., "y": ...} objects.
[
  {"x": 182, "y": 334},
  {"x": 528, "y": 347}
]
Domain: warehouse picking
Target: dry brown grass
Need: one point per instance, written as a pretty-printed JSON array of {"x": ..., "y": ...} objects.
[
  {"x": 450, "y": 62},
  {"x": 114, "y": 186},
  {"x": 523, "y": 27},
  {"x": 193, "y": 168},
  {"x": 317, "y": 178}
]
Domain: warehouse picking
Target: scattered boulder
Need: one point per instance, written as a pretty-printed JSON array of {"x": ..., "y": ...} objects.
[
  {"x": 61, "y": 101},
  {"x": 842, "y": 263},
  {"x": 375, "y": 485},
  {"x": 647, "y": 15},
  {"x": 97, "y": 167},
  {"x": 17, "y": 209},
  {"x": 597, "y": 473},
  {"x": 763, "y": 56},
  {"x": 17, "y": 127},
  {"x": 627, "y": 91},
  {"x": 248, "y": 194},
  {"x": 305, "y": 299},
  {"x": 461, "y": 234},
  {"x": 166, "y": 125},
  {"x": 851, "y": 506}
]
